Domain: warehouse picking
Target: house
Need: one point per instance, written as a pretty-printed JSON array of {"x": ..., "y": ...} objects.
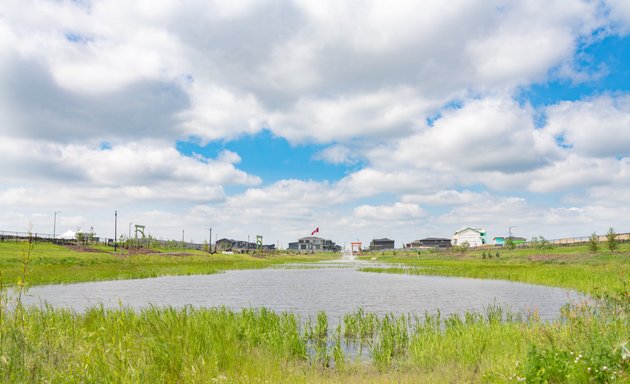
[
  {"x": 473, "y": 236},
  {"x": 314, "y": 243},
  {"x": 380, "y": 244},
  {"x": 500, "y": 240},
  {"x": 239, "y": 245},
  {"x": 430, "y": 242}
]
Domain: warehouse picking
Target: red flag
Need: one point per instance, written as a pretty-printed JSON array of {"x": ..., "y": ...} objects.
[{"x": 315, "y": 231}]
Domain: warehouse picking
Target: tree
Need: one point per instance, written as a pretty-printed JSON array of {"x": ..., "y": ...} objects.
[
  {"x": 509, "y": 243},
  {"x": 593, "y": 243},
  {"x": 611, "y": 237}
]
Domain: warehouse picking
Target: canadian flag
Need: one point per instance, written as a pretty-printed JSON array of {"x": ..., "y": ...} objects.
[{"x": 315, "y": 231}]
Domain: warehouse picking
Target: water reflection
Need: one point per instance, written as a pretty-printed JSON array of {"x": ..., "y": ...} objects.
[{"x": 336, "y": 289}]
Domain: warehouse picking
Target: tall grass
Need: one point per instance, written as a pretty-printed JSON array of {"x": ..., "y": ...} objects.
[
  {"x": 54, "y": 264},
  {"x": 210, "y": 345}
]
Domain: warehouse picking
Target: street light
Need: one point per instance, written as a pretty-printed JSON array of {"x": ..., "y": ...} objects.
[{"x": 55, "y": 225}]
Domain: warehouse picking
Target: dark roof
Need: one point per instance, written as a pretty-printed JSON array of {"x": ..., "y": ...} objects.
[
  {"x": 434, "y": 239},
  {"x": 384, "y": 239}
]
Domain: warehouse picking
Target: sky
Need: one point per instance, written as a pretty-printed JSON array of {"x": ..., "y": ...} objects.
[{"x": 367, "y": 118}]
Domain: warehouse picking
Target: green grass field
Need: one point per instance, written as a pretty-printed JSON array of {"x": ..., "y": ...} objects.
[
  {"x": 589, "y": 343},
  {"x": 54, "y": 264},
  {"x": 567, "y": 267}
]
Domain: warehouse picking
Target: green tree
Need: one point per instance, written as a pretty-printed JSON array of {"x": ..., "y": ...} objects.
[
  {"x": 612, "y": 241},
  {"x": 509, "y": 243},
  {"x": 593, "y": 243}
]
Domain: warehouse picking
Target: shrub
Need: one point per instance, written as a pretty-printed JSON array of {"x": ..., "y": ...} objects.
[
  {"x": 593, "y": 243},
  {"x": 509, "y": 243}
]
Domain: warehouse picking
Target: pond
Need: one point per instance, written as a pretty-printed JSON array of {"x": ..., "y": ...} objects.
[{"x": 307, "y": 289}]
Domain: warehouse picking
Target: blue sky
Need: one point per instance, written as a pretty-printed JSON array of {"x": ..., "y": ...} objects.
[
  {"x": 272, "y": 158},
  {"x": 371, "y": 119}
]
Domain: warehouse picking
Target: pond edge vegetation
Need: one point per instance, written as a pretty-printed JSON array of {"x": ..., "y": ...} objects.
[{"x": 589, "y": 343}]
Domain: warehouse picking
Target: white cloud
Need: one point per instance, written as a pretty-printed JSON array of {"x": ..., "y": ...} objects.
[
  {"x": 445, "y": 197},
  {"x": 620, "y": 12},
  {"x": 138, "y": 164},
  {"x": 218, "y": 113},
  {"x": 395, "y": 212},
  {"x": 595, "y": 127},
  {"x": 361, "y": 77},
  {"x": 384, "y": 113},
  {"x": 491, "y": 134},
  {"x": 336, "y": 154}
]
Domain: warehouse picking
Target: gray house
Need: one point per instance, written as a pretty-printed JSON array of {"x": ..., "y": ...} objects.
[
  {"x": 381, "y": 244},
  {"x": 314, "y": 244},
  {"x": 430, "y": 242}
]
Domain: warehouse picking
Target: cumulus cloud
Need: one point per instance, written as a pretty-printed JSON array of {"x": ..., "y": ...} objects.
[
  {"x": 620, "y": 11},
  {"x": 490, "y": 134},
  {"x": 596, "y": 127},
  {"x": 397, "y": 211},
  {"x": 95, "y": 95},
  {"x": 131, "y": 164},
  {"x": 336, "y": 154}
]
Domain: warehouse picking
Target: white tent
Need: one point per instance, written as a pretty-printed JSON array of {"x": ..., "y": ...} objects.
[{"x": 68, "y": 235}]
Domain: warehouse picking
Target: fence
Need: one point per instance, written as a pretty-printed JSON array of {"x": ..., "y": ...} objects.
[{"x": 129, "y": 243}]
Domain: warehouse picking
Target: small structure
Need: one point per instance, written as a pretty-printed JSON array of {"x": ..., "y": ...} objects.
[
  {"x": 429, "y": 243},
  {"x": 381, "y": 244},
  {"x": 356, "y": 245},
  {"x": 500, "y": 240},
  {"x": 475, "y": 237}
]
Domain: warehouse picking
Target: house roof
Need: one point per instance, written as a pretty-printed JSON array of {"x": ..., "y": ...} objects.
[
  {"x": 310, "y": 238},
  {"x": 434, "y": 239},
  {"x": 383, "y": 239},
  {"x": 479, "y": 230},
  {"x": 510, "y": 237}
]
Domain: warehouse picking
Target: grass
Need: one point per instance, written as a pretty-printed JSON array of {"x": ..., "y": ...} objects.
[
  {"x": 588, "y": 344},
  {"x": 210, "y": 345},
  {"x": 566, "y": 267},
  {"x": 54, "y": 264}
]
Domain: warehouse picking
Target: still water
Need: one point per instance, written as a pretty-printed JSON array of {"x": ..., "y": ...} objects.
[{"x": 333, "y": 288}]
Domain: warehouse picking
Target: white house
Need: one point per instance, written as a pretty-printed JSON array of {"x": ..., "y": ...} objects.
[{"x": 474, "y": 236}]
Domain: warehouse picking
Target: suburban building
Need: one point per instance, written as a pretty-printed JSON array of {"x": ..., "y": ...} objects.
[
  {"x": 475, "y": 237},
  {"x": 240, "y": 245},
  {"x": 380, "y": 244},
  {"x": 313, "y": 243},
  {"x": 500, "y": 240},
  {"x": 430, "y": 242}
]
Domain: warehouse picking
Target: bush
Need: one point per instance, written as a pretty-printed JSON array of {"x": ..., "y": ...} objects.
[{"x": 593, "y": 243}]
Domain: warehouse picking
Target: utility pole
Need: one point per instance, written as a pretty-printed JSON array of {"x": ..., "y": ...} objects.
[
  {"x": 210, "y": 241},
  {"x": 115, "y": 230},
  {"x": 510, "y": 230},
  {"x": 183, "y": 244},
  {"x": 55, "y": 225},
  {"x": 129, "y": 235}
]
